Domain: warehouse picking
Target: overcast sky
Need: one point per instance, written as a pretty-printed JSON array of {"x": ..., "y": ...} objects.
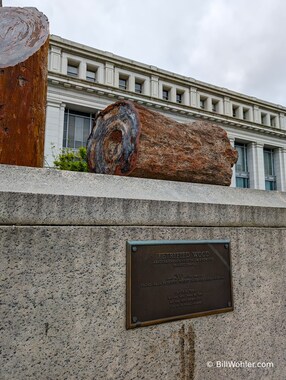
[{"x": 237, "y": 44}]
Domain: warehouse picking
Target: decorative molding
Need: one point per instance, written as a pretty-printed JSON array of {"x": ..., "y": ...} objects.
[{"x": 70, "y": 83}]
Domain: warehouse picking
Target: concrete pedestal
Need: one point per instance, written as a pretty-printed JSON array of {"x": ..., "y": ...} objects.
[{"x": 63, "y": 263}]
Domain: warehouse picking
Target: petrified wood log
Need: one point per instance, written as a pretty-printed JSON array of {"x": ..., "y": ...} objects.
[
  {"x": 128, "y": 139},
  {"x": 23, "y": 85}
]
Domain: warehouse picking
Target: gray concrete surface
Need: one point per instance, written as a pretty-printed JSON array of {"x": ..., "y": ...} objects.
[
  {"x": 63, "y": 287},
  {"x": 57, "y": 182},
  {"x": 44, "y": 196}
]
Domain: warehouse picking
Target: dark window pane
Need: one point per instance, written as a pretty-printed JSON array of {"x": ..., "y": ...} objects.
[
  {"x": 71, "y": 131},
  {"x": 91, "y": 76},
  {"x": 86, "y": 130},
  {"x": 72, "y": 70},
  {"x": 122, "y": 84},
  {"x": 263, "y": 119},
  {"x": 241, "y": 165},
  {"x": 270, "y": 185},
  {"x": 138, "y": 87},
  {"x": 241, "y": 182},
  {"x": 77, "y": 128},
  {"x": 65, "y": 129},
  {"x": 245, "y": 114},
  {"x": 269, "y": 162},
  {"x": 179, "y": 98},
  {"x": 270, "y": 179}
]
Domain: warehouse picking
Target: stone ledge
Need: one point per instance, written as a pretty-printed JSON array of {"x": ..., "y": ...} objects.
[
  {"x": 46, "y": 209},
  {"x": 30, "y": 196},
  {"x": 50, "y": 181}
]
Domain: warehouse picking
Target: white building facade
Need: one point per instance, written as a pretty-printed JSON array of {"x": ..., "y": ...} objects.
[{"x": 84, "y": 80}]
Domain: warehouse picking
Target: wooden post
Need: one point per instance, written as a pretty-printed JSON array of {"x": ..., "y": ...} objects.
[
  {"x": 23, "y": 85},
  {"x": 128, "y": 139}
]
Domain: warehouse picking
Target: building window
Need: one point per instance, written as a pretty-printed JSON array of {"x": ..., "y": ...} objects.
[
  {"x": 241, "y": 167},
  {"x": 263, "y": 118},
  {"x": 179, "y": 97},
  {"x": 72, "y": 70},
  {"x": 214, "y": 105},
  {"x": 123, "y": 83},
  {"x": 202, "y": 103},
  {"x": 273, "y": 121},
  {"x": 234, "y": 111},
  {"x": 77, "y": 127},
  {"x": 91, "y": 74},
  {"x": 165, "y": 94},
  {"x": 138, "y": 87},
  {"x": 270, "y": 178},
  {"x": 245, "y": 114}
]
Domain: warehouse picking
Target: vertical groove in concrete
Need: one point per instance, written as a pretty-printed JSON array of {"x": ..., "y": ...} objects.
[{"x": 187, "y": 352}]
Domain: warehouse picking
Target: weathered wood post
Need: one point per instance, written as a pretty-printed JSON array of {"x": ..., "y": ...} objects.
[
  {"x": 24, "y": 46},
  {"x": 128, "y": 139}
]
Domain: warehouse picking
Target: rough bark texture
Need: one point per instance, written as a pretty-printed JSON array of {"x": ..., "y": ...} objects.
[
  {"x": 128, "y": 139},
  {"x": 23, "y": 85}
]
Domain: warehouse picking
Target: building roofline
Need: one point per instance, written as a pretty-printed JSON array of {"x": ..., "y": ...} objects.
[{"x": 181, "y": 79}]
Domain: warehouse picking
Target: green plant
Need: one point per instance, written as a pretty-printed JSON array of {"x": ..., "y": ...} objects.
[{"x": 68, "y": 159}]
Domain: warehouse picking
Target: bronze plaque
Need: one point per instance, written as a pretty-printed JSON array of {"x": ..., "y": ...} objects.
[{"x": 171, "y": 280}]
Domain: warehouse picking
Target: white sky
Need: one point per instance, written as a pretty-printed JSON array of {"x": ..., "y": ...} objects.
[{"x": 237, "y": 44}]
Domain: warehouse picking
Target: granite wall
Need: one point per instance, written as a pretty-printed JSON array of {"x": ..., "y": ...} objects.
[{"x": 63, "y": 267}]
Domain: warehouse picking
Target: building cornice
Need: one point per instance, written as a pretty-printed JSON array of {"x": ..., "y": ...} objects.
[
  {"x": 111, "y": 92},
  {"x": 121, "y": 62}
]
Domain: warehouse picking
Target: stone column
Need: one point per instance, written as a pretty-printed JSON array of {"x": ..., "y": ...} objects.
[
  {"x": 193, "y": 97},
  {"x": 64, "y": 64},
  {"x": 256, "y": 115},
  {"x": 186, "y": 98},
  {"x": 100, "y": 74},
  {"x": 209, "y": 104},
  {"x": 233, "y": 179},
  {"x": 109, "y": 74},
  {"x": 55, "y": 59},
  {"x": 154, "y": 86},
  {"x": 54, "y": 130},
  {"x": 280, "y": 168},
  {"x": 250, "y": 113},
  {"x": 131, "y": 83},
  {"x": 239, "y": 112},
  {"x": 146, "y": 87},
  {"x": 220, "y": 107},
  {"x": 227, "y": 108},
  {"x": 172, "y": 92},
  {"x": 282, "y": 121},
  {"x": 256, "y": 166},
  {"x": 267, "y": 119},
  {"x": 82, "y": 70}
]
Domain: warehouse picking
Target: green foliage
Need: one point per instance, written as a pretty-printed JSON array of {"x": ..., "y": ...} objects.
[{"x": 68, "y": 159}]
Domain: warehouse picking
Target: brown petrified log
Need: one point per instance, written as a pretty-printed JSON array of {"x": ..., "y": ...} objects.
[
  {"x": 24, "y": 46},
  {"x": 128, "y": 139}
]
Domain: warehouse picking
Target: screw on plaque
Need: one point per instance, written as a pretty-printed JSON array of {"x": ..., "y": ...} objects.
[
  {"x": 229, "y": 303},
  {"x": 134, "y": 319},
  {"x": 226, "y": 246},
  {"x": 134, "y": 249}
]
